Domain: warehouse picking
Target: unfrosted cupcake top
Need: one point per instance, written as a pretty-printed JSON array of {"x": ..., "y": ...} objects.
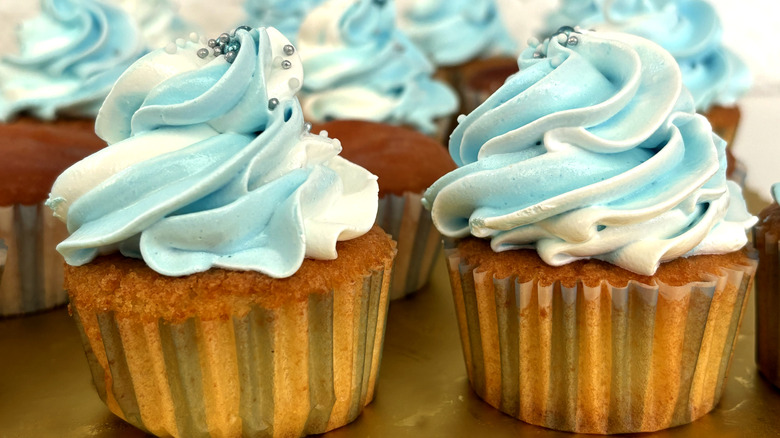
[
  {"x": 284, "y": 15},
  {"x": 69, "y": 58},
  {"x": 159, "y": 21},
  {"x": 453, "y": 32},
  {"x": 209, "y": 164},
  {"x": 359, "y": 66},
  {"x": 689, "y": 29},
  {"x": 592, "y": 150}
]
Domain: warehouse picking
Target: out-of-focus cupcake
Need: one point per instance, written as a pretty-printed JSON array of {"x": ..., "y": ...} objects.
[
  {"x": 601, "y": 273},
  {"x": 406, "y": 162},
  {"x": 360, "y": 67},
  {"x": 692, "y": 32},
  {"x": 50, "y": 92},
  {"x": 466, "y": 40},
  {"x": 284, "y": 15},
  {"x": 766, "y": 235},
  {"x": 159, "y": 21},
  {"x": 251, "y": 291}
]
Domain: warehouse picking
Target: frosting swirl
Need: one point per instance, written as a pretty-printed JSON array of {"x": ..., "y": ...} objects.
[
  {"x": 284, "y": 15},
  {"x": 359, "y": 66},
  {"x": 158, "y": 20},
  {"x": 70, "y": 56},
  {"x": 592, "y": 150},
  {"x": 689, "y": 29},
  {"x": 209, "y": 165},
  {"x": 452, "y": 32}
]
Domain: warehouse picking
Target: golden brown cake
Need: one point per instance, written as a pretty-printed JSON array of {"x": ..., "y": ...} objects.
[
  {"x": 481, "y": 78},
  {"x": 724, "y": 121},
  {"x": 235, "y": 352},
  {"x": 34, "y": 153},
  {"x": 406, "y": 162},
  {"x": 611, "y": 351}
]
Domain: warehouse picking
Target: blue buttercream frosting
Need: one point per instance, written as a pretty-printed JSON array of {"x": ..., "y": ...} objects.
[
  {"x": 284, "y": 15},
  {"x": 776, "y": 192},
  {"x": 453, "y": 32},
  {"x": 209, "y": 165},
  {"x": 360, "y": 66},
  {"x": 689, "y": 29},
  {"x": 592, "y": 150},
  {"x": 69, "y": 58}
]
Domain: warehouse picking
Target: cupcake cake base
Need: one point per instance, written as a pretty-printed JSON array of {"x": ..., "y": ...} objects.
[{"x": 591, "y": 348}]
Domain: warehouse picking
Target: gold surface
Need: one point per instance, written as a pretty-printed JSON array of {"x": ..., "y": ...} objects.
[{"x": 46, "y": 389}]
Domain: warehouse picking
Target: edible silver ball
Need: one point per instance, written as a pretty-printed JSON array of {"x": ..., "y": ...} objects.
[
  {"x": 289, "y": 49},
  {"x": 202, "y": 53},
  {"x": 286, "y": 64}
]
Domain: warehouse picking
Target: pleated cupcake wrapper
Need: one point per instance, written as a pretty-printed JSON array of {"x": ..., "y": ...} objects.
[
  {"x": 304, "y": 368},
  {"x": 405, "y": 219},
  {"x": 598, "y": 359},
  {"x": 32, "y": 280},
  {"x": 768, "y": 304}
]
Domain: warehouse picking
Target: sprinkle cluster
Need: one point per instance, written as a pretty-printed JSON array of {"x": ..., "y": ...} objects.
[
  {"x": 225, "y": 44},
  {"x": 565, "y": 37}
]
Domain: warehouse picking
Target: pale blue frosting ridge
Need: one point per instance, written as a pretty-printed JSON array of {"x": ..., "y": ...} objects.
[
  {"x": 70, "y": 56},
  {"x": 284, "y": 15},
  {"x": 689, "y": 29},
  {"x": 592, "y": 150},
  {"x": 452, "y": 32},
  {"x": 360, "y": 66},
  {"x": 253, "y": 190}
]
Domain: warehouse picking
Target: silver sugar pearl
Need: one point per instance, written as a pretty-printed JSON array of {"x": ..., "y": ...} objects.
[
  {"x": 273, "y": 103},
  {"x": 224, "y": 38},
  {"x": 307, "y": 126},
  {"x": 217, "y": 51},
  {"x": 286, "y": 64},
  {"x": 288, "y": 49},
  {"x": 212, "y": 43},
  {"x": 231, "y": 56},
  {"x": 565, "y": 30},
  {"x": 202, "y": 53},
  {"x": 245, "y": 27},
  {"x": 572, "y": 41},
  {"x": 561, "y": 38}
]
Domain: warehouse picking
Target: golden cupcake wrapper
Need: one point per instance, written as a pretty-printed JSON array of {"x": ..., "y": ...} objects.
[
  {"x": 304, "y": 368},
  {"x": 32, "y": 280},
  {"x": 768, "y": 304},
  {"x": 410, "y": 224},
  {"x": 598, "y": 359}
]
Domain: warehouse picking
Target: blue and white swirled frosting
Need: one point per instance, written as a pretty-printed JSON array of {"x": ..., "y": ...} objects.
[
  {"x": 284, "y": 15},
  {"x": 159, "y": 21},
  {"x": 359, "y": 66},
  {"x": 209, "y": 164},
  {"x": 689, "y": 29},
  {"x": 69, "y": 58},
  {"x": 453, "y": 32},
  {"x": 592, "y": 150}
]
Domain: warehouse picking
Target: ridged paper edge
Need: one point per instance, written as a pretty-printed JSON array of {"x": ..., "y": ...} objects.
[
  {"x": 32, "y": 279},
  {"x": 303, "y": 368},
  {"x": 544, "y": 355},
  {"x": 419, "y": 242}
]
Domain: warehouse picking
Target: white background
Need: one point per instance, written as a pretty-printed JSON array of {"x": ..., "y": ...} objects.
[{"x": 749, "y": 29}]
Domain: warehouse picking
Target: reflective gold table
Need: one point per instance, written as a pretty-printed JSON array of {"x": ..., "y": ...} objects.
[{"x": 46, "y": 389}]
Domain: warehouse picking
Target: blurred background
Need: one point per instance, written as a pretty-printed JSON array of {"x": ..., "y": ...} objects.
[{"x": 747, "y": 27}]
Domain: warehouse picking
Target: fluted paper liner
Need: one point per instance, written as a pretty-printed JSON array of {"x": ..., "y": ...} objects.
[
  {"x": 304, "y": 368},
  {"x": 598, "y": 359},
  {"x": 768, "y": 304},
  {"x": 32, "y": 280},
  {"x": 405, "y": 219}
]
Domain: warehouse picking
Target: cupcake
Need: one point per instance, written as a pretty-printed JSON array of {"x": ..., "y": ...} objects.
[
  {"x": 50, "y": 92},
  {"x": 360, "y": 67},
  {"x": 691, "y": 31},
  {"x": 598, "y": 261},
  {"x": 765, "y": 237},
  {"x": 222, "y": 265},
  {"x": 466, "y": 40},
  {"x": 406, "y": 162}
]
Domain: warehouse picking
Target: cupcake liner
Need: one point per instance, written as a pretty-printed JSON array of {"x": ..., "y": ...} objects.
[
  {"x": 302, "y": 368},
  {"x": 598, "y": 359},
  {"x": 34, "y": 269},
  {"x": 405, "y": 219},
  {"x": 768, "y": 304}
]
